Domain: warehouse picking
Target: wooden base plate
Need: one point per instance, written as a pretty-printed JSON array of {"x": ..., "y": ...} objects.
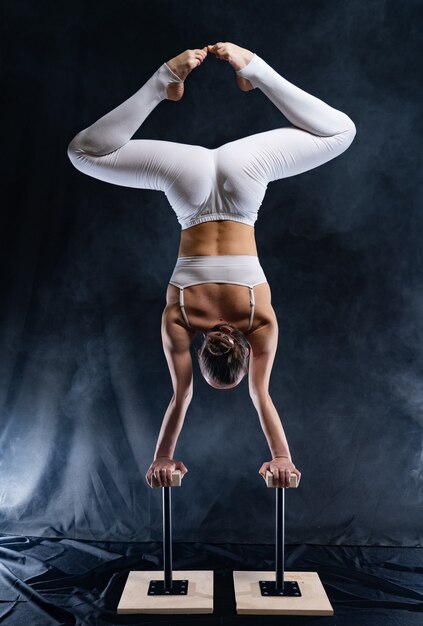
[
  {"x": 249, "y": 600},
  {"x": 199, "y": 598}
]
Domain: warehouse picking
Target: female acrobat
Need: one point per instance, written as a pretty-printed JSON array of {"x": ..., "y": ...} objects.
[{"x": 218, "y": 287}]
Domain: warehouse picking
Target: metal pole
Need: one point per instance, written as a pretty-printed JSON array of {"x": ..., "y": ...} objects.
[
  {"x": 280, "y": 537},
  {"x": 167, "y": 538}
]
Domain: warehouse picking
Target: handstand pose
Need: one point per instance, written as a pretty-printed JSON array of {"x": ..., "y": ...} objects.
[{"x": 218, "y": 287}]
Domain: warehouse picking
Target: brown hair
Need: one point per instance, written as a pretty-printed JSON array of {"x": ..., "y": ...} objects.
[{"x": 228, "y": 369}]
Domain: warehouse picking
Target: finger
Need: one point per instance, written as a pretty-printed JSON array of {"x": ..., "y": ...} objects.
[
  {"x": 162, "y": 474},
  {"x": 287, "y": 477},
  {"x": 182, "y": 467},
  {"x": 168, "y": 477},
  {"x": 156, "y": 476},
  {"x": 275, "y": 473}
]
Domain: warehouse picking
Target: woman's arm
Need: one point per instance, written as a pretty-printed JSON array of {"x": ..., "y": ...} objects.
[
  {"x": 263, "y": 343},
  {"x": 176, "y": 341}
]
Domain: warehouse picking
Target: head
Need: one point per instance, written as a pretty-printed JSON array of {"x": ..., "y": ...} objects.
[{"x": 224, "y": 356}]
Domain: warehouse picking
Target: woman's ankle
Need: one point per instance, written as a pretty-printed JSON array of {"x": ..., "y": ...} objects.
[{"x": 175, "y": 91}]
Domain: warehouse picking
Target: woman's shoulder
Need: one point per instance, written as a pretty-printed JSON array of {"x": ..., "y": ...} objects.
[
  {"x": 172, "y": 296},
  {"x": 173, "y": 323},
  {"x": 263, "y": 337},
  {"x": 264, "y": 315}
]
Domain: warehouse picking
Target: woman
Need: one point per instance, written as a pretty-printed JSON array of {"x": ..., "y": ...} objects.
[{"x": 216, "y": 195}]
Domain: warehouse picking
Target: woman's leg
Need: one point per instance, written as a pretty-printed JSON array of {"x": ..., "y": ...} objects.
[
  {"x": 320, "y": 131},
  {"x": 105, "y": 150},
  {"x": 182, "y": 65}
]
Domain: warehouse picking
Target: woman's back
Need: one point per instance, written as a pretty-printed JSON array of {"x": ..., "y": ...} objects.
[{"x": 210, "y": 304}]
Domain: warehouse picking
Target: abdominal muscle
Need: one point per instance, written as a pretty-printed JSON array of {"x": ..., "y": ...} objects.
[
  {"x": 209, "y": 304},
  {"x": 218, "y": 238}
]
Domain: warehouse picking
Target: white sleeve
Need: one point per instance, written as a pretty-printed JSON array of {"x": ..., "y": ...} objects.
[
  {"x": 104, "y": 150},
  {"x": 320, "y": 132}
]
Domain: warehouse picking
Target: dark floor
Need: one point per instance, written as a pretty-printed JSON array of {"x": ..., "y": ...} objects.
[{"x": 46, "y": 582}]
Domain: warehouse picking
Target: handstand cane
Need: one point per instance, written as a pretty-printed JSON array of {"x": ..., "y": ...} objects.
[
  {"x": 146, "y": 592},
  {"x": 167, "y": 585},
  {"x": 271, "y": 593},
  {"x": 279, "y": 587}
]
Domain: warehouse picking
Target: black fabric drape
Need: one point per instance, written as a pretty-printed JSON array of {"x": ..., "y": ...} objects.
[
  {"x": 84, "y": 383},
  {"x": 57, "y": 582}
]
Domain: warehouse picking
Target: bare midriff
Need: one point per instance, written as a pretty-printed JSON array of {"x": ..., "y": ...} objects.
[
  {"x": 211, "y": 303},
  {"x": 218, "y": 238}
]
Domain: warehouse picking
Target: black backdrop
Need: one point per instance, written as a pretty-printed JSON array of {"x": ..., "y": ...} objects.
[{"x": 84, "y": 381}]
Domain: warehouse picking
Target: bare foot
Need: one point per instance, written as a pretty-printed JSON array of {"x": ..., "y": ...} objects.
[
  {"x": 243, "y": 83},
  {"x": 182, "y": 65},
  {"x": 236, "y": 56}
]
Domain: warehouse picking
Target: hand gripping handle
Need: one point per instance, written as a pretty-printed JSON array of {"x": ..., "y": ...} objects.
[
  {"x": 175, "y": 481},
  {"x": 293, "y": 481}
]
